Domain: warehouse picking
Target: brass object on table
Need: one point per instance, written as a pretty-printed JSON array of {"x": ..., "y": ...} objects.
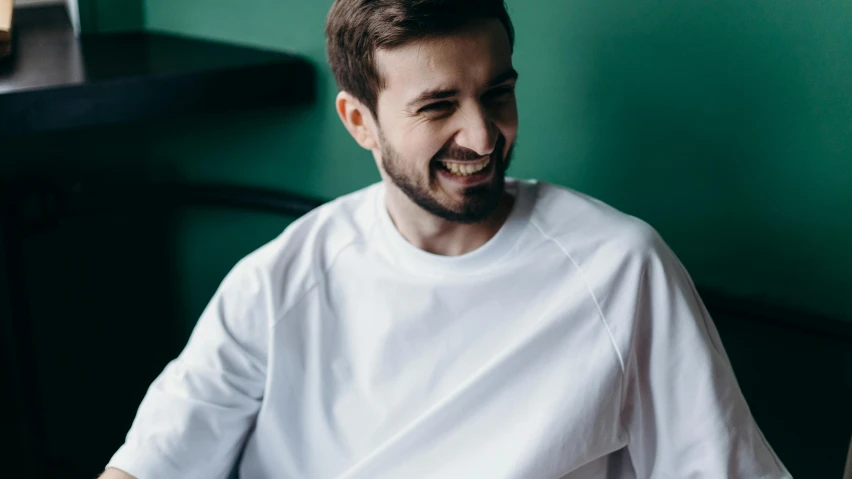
[{"x": 6, "y": 9}]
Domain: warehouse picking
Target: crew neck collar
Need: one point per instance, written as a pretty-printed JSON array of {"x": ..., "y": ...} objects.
[{"x": 418, "y": 261}]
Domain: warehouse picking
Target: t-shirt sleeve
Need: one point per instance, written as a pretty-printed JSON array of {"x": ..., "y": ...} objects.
[
  {"x": 195, "y": 416},
  {"x": 683, "y": 409}
]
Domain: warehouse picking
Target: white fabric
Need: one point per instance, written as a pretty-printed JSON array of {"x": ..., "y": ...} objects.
[{"x": 572, "y": 345}]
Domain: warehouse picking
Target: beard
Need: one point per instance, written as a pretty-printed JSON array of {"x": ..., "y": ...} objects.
[{"x": 478, "y": 202}]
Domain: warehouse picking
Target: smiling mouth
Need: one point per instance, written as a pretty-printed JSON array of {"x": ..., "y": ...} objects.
[{"x": 465, "y": 168}]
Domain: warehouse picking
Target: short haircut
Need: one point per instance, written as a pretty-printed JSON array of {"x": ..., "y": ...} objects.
[{"x": 356, "y": 29}]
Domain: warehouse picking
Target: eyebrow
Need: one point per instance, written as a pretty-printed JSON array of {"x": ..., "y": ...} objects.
[{"x": 441, "y": 94}]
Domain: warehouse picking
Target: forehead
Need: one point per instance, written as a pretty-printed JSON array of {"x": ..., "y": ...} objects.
[{"x": 463, "y": 60}]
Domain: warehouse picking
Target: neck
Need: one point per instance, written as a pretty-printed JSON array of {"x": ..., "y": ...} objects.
[{"x": 437, "y": 235}]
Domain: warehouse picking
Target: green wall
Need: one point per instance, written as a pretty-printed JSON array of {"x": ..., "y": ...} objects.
[
  {"x": 725, "y": 124},
  {"x": 106, "y": 16}
]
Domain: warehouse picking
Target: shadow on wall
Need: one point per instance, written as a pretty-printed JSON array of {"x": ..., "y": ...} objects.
[{"x": 726, "y": 125}]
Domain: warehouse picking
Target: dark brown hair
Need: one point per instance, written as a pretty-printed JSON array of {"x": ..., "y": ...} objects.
[{"x": 355, "y": 29}]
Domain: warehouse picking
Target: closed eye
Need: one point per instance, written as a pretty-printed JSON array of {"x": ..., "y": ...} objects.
[
  {"x": 438, "y": 106},
  {"x": 502, "y": 93}
]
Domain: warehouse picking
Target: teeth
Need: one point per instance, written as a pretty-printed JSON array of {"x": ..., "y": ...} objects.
[{"x": 466, "y": 169}]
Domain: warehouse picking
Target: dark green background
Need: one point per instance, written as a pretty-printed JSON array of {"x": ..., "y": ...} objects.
[{"x": 726, "y": 124}]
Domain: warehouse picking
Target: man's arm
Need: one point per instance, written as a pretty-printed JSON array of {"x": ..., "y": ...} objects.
[
  {"x": 113, "y": 473},
  {"x": 196, "y": 414},
  {"x": 682, "y": 406}
]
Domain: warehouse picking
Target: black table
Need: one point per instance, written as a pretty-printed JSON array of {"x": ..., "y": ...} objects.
[{"x": 54, "y": 80}]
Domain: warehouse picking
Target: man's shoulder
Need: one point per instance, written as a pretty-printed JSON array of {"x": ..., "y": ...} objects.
[
  {"x": 307, "y": 247},
  {"x": 324, "y": 229},
  {"x": 615, "y": 251},
  {"x": 585, "y": 226}
]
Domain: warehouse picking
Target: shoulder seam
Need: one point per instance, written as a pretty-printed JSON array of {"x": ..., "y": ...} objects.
[
  {"x": 601, "y": 315},
  {"x": 324, "y": 276}
]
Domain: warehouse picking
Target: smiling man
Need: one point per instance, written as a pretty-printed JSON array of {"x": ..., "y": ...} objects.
[{"x": 448, "y": 322}]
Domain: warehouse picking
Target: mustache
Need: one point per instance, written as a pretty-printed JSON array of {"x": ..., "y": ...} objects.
[{"x": 458, "y": 153}]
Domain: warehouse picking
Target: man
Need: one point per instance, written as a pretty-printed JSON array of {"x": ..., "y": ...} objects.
[{"x": 448, "y": 322}]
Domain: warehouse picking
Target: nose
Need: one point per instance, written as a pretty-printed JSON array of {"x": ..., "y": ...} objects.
[{"x": 477, "y": 132}]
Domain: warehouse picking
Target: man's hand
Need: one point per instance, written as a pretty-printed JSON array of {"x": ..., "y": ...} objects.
[{"x": 113, "y": 473}]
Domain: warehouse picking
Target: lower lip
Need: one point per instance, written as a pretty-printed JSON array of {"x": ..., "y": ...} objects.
[{"x": 470, "y": 180}]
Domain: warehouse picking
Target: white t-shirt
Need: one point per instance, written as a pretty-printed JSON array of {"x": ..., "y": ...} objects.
[{"x": 572, "y": 345}]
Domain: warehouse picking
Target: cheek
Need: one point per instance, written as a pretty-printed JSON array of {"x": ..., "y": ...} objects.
[
  {"x": 419, "y": 145},
  {"x": 506, "y": 120},
  {"x": 509, "y": 130}
]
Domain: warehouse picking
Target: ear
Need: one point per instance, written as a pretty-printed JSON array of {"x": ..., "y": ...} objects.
[{"x": 357, "y": 119}]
